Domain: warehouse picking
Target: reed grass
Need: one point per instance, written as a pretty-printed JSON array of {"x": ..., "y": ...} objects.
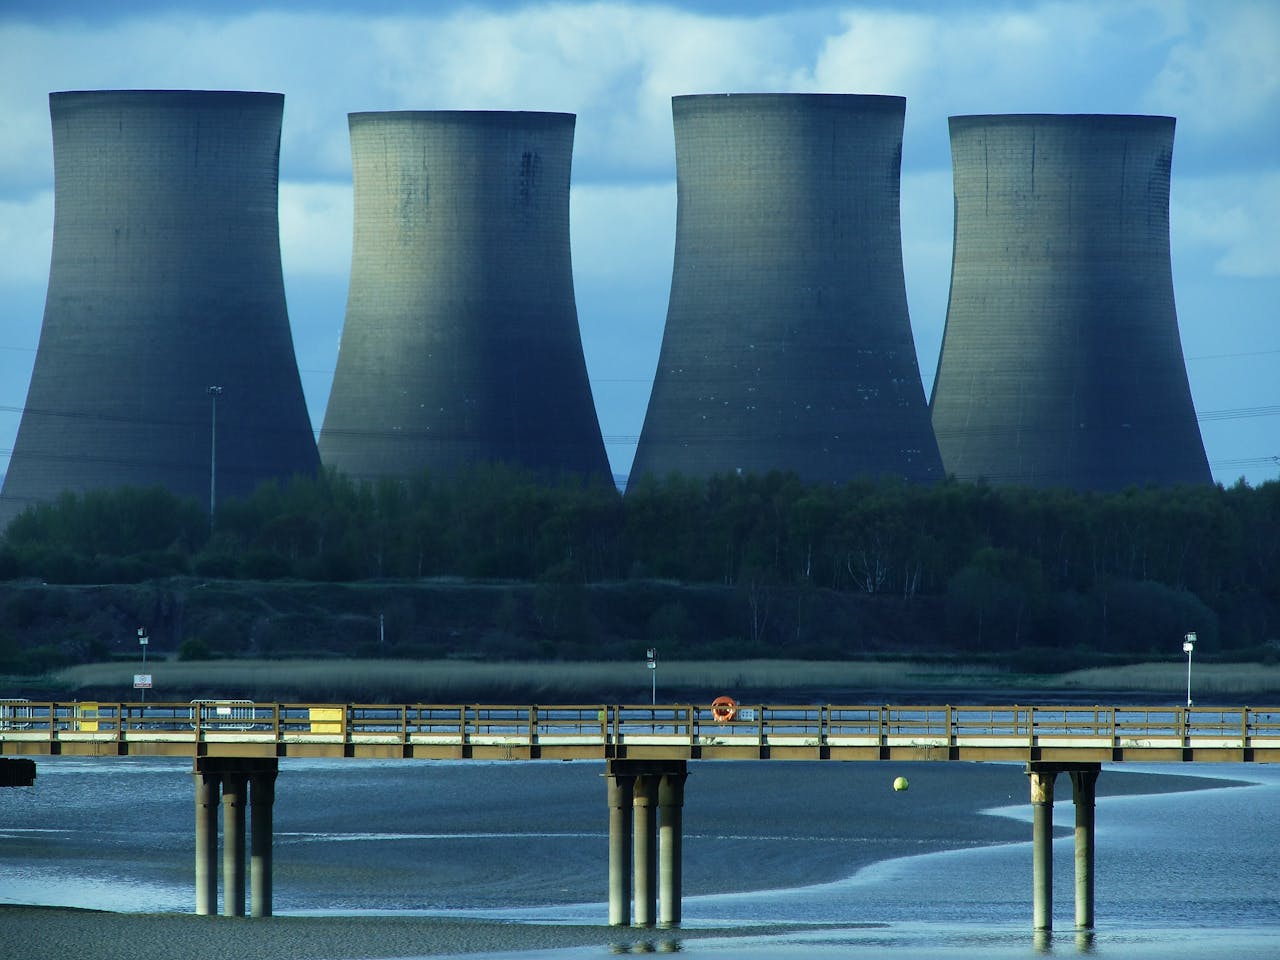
[
  {"x": 1208, "y": 678},
  {"x": 453, "y": 681}
]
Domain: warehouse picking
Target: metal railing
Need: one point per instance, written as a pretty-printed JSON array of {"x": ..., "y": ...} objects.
[{"x": 607, "y": 726}]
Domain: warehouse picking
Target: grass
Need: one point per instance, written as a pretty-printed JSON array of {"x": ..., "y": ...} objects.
[
  {"x": 777, "y": 681},
  {"x": 1221, "y": 679}
]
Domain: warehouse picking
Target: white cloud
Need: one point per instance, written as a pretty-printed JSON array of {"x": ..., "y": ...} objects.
[
  {"x": 1222, "y": 73},
  {"x": 620, "y": 230},
  {"x": 315, "y": 228},
  {"x": 26, "y": 239},
  {"x": 1229, "y": 220}
]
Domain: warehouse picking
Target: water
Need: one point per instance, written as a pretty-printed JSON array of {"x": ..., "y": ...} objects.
[{"x": 915, "y": 874}]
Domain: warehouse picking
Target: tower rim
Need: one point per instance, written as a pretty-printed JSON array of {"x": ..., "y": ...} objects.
[{"x": 884, "y": 100}]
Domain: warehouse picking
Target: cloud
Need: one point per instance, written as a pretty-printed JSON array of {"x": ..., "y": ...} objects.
[
  {"x": 315, "y": 228},
  {"x": 1229, "y": 220},
  {"x": 1222, "y": 74},
  {"x": 26, "y": 237}
]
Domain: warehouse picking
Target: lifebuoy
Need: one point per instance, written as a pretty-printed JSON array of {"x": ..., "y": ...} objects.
[{"x": 724, "y": 709}]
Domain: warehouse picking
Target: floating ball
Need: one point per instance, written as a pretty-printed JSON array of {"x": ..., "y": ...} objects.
[{"x": 900, "y": 784}]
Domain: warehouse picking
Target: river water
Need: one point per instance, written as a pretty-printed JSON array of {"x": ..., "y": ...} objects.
[{"x": 1186, "y": 868}]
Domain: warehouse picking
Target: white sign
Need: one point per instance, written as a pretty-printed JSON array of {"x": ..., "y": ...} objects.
[{"x": 142, "y": 681}]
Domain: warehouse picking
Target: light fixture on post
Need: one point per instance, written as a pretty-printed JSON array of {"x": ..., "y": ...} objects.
[
  {"x": 143, "y": 680},
  {"x": 1188, "y": 645},
  {"x": 652, "y": 664}
]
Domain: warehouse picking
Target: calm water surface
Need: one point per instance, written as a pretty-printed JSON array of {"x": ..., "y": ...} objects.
[{"x": 922, "y": 874}]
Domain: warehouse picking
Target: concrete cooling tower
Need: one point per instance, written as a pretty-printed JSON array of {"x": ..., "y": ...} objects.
[
  {"x": 461, "y": 341},
  {"x": 165, "y": 281},
  {"x": 1061, "y": 363},
  {"x": 788, "y": 345}
]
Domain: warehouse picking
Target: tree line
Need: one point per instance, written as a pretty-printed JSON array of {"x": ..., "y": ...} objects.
[{"x": 1006, "y": 568}]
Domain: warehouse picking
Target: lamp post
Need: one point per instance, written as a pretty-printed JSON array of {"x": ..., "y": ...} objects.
[
  {"x": 143, "y": 641},
  {"x": 1188, "y": 645},
  {"x": 652, "y": 664},
  {"x": 214, "y": 393}
]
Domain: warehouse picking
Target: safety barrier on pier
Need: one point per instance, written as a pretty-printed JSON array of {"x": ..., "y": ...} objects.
[{"x": 242, "y": 728}]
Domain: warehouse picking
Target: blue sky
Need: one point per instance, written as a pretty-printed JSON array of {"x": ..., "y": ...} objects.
[{"x": 1212, "y": 64}]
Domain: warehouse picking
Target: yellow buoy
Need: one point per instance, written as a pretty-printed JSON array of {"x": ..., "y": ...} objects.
[{"x": 900, "y": 784}]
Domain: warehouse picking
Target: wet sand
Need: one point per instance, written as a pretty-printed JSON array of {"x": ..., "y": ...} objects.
[
  {"x": 40, "y": 932},
  {"x": 750, "y": 839}
]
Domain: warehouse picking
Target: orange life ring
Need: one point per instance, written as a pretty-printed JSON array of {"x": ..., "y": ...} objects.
[{"x": 724, "y": 709}]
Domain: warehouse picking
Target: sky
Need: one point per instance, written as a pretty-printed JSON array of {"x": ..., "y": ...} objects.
[{"x": 1214, "y": 65}]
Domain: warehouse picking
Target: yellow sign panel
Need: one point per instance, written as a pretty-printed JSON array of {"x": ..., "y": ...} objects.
[
  {"x": 326, "y": 719},
  {"x": 87, "y": 716}
]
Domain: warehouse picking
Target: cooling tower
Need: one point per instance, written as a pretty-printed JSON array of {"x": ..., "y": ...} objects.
[
  {"x": 461, "y": 340},
  {"x": 165, "y": 281},
  {"x": 788, "y": 345},
  {"x": 1061, "y": 363}
]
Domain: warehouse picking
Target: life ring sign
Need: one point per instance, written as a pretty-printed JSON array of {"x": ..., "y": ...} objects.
[{"x": 724, "y": 709}]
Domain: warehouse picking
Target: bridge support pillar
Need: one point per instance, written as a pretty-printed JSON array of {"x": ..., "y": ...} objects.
[
  {"x": 17, "y": 773},
  {"x": 621, "y": 789},
  {"x": 207, "y": 788},
  {"x": 645, "y": 823},
  {"x": 646, "y": 802},
  {"x": 1084, "y": 791},
  {"x": 670, "y": 847},
  {"x": 241, "y": 781},
  {"x": 234, "y": 790},
  {"x": 1084, "y": 779},
  {"x": 262, "y": 797},
  {"x": 1042, "y": 846}
]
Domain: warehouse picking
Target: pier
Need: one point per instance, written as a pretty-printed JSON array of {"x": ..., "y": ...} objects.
[{"x": 236, "y": 746}]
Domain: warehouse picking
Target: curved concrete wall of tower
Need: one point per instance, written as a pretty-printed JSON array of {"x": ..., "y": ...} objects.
[
  {"x": 1061, "y": 363},
  {"x": 165, "y": 280},
  {"x": 788, "y": 345},
  {"x": 461, "y": 341}
]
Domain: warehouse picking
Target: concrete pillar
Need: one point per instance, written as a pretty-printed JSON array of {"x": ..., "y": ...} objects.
[
  {"x": 206, "y": 842},
  {"x": 262, "y": 796},
  {"x": 645, "y": 825},
  {"x": 620, "y": 788},
  {"x": 670, "y": 847},
  {"x": 1084, "y": 791},
  {"x": 234, "y": 788},
  {"x": 19, "y": 772},
  {"x": 1042, "y": 845}
]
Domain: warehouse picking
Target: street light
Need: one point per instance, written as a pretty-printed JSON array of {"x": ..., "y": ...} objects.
[
  {"x": 1189, "y": 644},
  {"x": 652, "y": 664},
  {"x": 214, "y": 393},
  {"x": 143, "y": 641}
]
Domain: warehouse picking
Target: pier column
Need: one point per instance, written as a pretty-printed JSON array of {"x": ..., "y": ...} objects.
[
  {"x": 670, "y": 847},
  {"x": 1084, "y": 791},
  {"x": 620, "y": 787},
  {"x": 645, "y": 825},
  {"x": 17, "y": 772},
  {"x": 234, "y": 789},
  {"x": 207, "y": 785},
  {"x": 646, "y": 805},
  {"x": 262, "y": 797},
  {"x": 1042, "y": 778}
]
